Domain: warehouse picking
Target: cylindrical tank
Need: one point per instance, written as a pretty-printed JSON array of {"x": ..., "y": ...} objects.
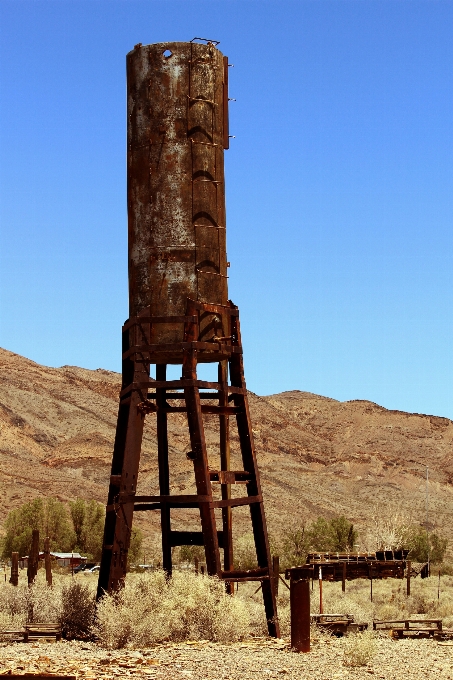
[{"x": 177, "y": 111}]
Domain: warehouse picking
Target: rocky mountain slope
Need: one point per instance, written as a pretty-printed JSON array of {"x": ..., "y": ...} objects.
[{"x": 316, "y": 455}]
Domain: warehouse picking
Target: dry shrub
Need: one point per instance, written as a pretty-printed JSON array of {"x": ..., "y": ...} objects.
[
  {"x": 150, "y": 609},
  {"x": 19, "y": 604},
  {"x": 77, "y": 611},
  {"x": 359, "y": 649},
  {"x": 355, "y": 603},
  {"x": 68, "y": 602},
  {"x": 388, "y": 612}
]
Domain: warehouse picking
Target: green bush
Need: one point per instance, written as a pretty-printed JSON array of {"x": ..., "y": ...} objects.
[
  {"x": 323, "y": 535},
  {"x": 424, "y": 545},
  {"x": 88, "y": 520},
  {"x": 48, "y": 515}
]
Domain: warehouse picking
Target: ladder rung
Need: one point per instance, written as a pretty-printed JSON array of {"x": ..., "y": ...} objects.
[
  {"x": 177, "y": 395},
  {"x": 236, "y": 502},
  {"x": 180, "y": 384},
  {"x": 205, "y": 408},
  {"x": 189, "y": 500},
  {"x": 246, "y": 574}
]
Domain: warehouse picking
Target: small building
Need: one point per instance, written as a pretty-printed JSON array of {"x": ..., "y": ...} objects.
[{"x": 70, "y": 559}]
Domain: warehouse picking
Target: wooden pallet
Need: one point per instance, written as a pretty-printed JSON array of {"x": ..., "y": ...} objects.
[
  {"x": 403, "y": 628},
  {"x": 40, "y": 631}
]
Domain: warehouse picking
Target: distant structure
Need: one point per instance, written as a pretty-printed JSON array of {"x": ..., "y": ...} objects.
[{"x": 180, "y": 314}]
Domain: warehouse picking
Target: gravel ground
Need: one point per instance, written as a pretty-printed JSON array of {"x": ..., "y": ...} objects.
[{"x": 250, "y": 660}]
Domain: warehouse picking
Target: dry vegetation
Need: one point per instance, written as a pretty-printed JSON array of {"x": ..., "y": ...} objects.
[
  {"x": 150, "y": 609},
  {"x": 190, "y": 628}
]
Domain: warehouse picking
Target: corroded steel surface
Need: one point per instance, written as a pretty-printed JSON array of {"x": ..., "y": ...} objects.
[{"x": 176, "y": 192}]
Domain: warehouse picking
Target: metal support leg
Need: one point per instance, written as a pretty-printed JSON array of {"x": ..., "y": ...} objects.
[
  {"x": 253, "y": 487},
  {"x": 124, "y": 471},
  {"x": 164, "y": 470},
  {"x": 227, "y": 514},
  {"x": 199, "y": 452}
]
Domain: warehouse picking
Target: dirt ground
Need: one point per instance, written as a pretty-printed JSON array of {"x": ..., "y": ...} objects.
[{"x": 249, "y": 660}]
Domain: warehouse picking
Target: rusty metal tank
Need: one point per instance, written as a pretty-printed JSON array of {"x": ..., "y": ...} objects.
[{"x": 177, "y": 112}]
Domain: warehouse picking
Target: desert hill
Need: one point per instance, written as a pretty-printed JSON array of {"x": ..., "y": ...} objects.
[{"x": 316, "y": 455}]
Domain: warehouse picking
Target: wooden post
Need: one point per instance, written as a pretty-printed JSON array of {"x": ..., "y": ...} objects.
[
  {"x": 408, "y": 579},
  {"x": 196, "y": 566},
  {"x": 276, "y": 572},
  {"x": 371, "y": 584},
  {"x": 321, "y": 611},
  {"x": 14, "y": 580},
  {"x": 343, "y": 579},
  {"x": 47, "y": 561},
  {"x": 33, "y": 557}
]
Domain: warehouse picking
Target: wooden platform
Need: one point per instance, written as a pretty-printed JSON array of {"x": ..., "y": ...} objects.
[
  {"x": 33, "y": 632},
  {"x": 415, "y": 628},
  {"x": 338, "y": 624}
]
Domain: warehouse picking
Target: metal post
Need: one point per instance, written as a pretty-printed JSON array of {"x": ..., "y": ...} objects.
[
  {"x": 408, "y": 576},
  {"x": 47, "y": 561},
  {"x": 438, "y": 587},
  {"x": 371, "y": 584},
  {"x": 14, "y": 580},
  {"x": 343, "y": 578},
  {"x": 299, "y": 597}
]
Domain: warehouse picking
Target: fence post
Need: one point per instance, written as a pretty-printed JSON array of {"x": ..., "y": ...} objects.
[
  {"x": 408, "y": 581},
  {"x": 47, "y": 561},
  {"x": 343, "y": 579},
  {"x": 33, "y": 558},
  {"x": 14, "y": 580}
]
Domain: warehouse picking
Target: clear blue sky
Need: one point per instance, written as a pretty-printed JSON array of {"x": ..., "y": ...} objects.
[{"x": 339, "y": 187}]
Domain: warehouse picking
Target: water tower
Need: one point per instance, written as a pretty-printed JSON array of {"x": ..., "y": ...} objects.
[{"x": 179, "y": 313}]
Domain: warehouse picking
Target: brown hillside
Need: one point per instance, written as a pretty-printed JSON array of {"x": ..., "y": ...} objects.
[{"x": 316, "y": 455}]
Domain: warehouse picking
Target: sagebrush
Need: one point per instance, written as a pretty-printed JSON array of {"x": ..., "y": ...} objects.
[{"x": 152, "y": 609}]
